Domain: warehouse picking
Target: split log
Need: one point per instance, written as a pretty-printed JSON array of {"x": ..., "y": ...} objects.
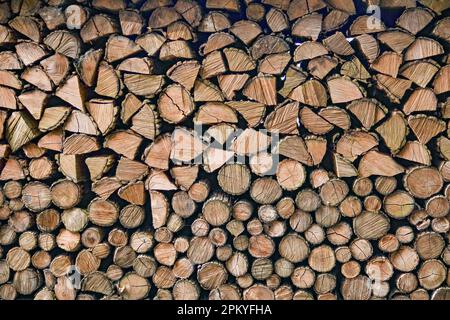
[{"x": 250, "y": 136}]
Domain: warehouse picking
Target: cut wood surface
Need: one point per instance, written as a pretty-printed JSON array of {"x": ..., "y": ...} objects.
[{"x": 257, "y": 149}]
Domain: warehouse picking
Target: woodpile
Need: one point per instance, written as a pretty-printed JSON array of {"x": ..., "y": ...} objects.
[{"x": 182, "y": 149}]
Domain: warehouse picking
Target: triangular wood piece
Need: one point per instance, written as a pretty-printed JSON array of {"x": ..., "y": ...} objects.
[
  {"x": 105, "y": 187},
  {"x": 120, "y": 47},
  {"x": 130, "y": 170},
  {"x": 394, "y": 131},
  {"x": 56, "y": 67},
  {"x": 275, "y": 63},
  {"x": 395, "y": 88},
  {"x": 215, "y": 112},
  {"x": 216, "y": 41},
  {"x": 238, "y": 60},
  {"x": 295, "y": 148},
  {"x": 80, "y": 144},
  {"x": 185, "y": 73},
  {"x": 143, "y": 84},
  {"x": 72, "y": 166},
  {"x": 53, "y": 117},
  {"x": 136, "y": 65},
  {"x": 308, "y": 26},
  {"x": 131, "y": 22},
  {"x": 250, "y": 142},
  {"x": 221, "y": 133},
  {"x": 230, "y": 83},
  {"x": 122, "y": 142},
  {"x": 159, "y": 209},
  {"x": 158, "y": 180},
  {"x": 64, "y": 42},
  {"x": 34, "y": 101},
  {"x": 29, "y": 52},
  {"x": 423, "y": 48},
  {"x": 313, "y": 122},
  {"x": 283, "y": 119},
  {"x": 73, "y": 92},
  {"x": 309, "y": 50},
  {"x": 52, "y": 140},
  {"x": 268, "y": 44},
  {"x": 130, "y": 105},
  {"x": 108, "y": 81},
  {"x": 246, "y": 30},
  {"x": 214, "y": 158},
  {"x": 317, "y": 147},
  {"x": 426, "y": 127},
  {"x": 151, "y": 42},
  {"x": 414, "y": 19},
  {"x": 311, "y": 92},
  {"x": 388, "y": 63},
  {"x": 99, "y": 25},
  {"x": 441, "y": 29},
  {"x": 366, "y": 24},
  {"x": 28, "y": 26},
  {"x": 375, "y": 163},
  {"x": 441, "y": 83},
  {"x": 355, "y": 70},
  {"x": 420, "y": 100},
  {"x": 293, "y": 78},
  {"x": 337, "y": 116},
  {"x": 334, "y": 20},
  {"x": 13, "y": 170},
  {"x": 436, "y": 6},
  {"x": 184, "y": 176},
  {"x": 9, "y": 61},
  {"x": 338, "y": 44},
  {"x": 397, "y": 40},
  {"x": 157, "y": 155},
  {"x": 205, "y": 90},
  {"x": 298, "y": 8},
  {"x": 262, "y": 89},
  {"x": 343, "y": 167},
  {"x": 369, "y": 46},
  {"x": 186, "y": 145},
  {"x": 133, "y": 192},
  {"x": 343, "y": 90},
  {"x": 99, "y": 165},
  {"x": 103, "y": 112},
  {"x": 319, "y": 67},
  {"x": 9, "y": 79},
  {"x": 420, "y": 71},
  {"x": 354, "y": 143},
  {"x": 88, "y": 66},
  {"x": 20, "y": 129},
  {"x": 416, "y": 152},
  {"x": 38, "y": 78},
  {"x": 80, "y": 122},
  {"x": 252, "y": 112},
  {"x": 146, "y": 122},
  {"x": 368, "y": 111}
]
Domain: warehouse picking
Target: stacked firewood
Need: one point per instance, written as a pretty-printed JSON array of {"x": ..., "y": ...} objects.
[{"x": 224, "y": 149}]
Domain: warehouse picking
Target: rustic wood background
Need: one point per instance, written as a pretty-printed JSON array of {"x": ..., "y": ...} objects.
[{"x": 224, "y": 149}]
